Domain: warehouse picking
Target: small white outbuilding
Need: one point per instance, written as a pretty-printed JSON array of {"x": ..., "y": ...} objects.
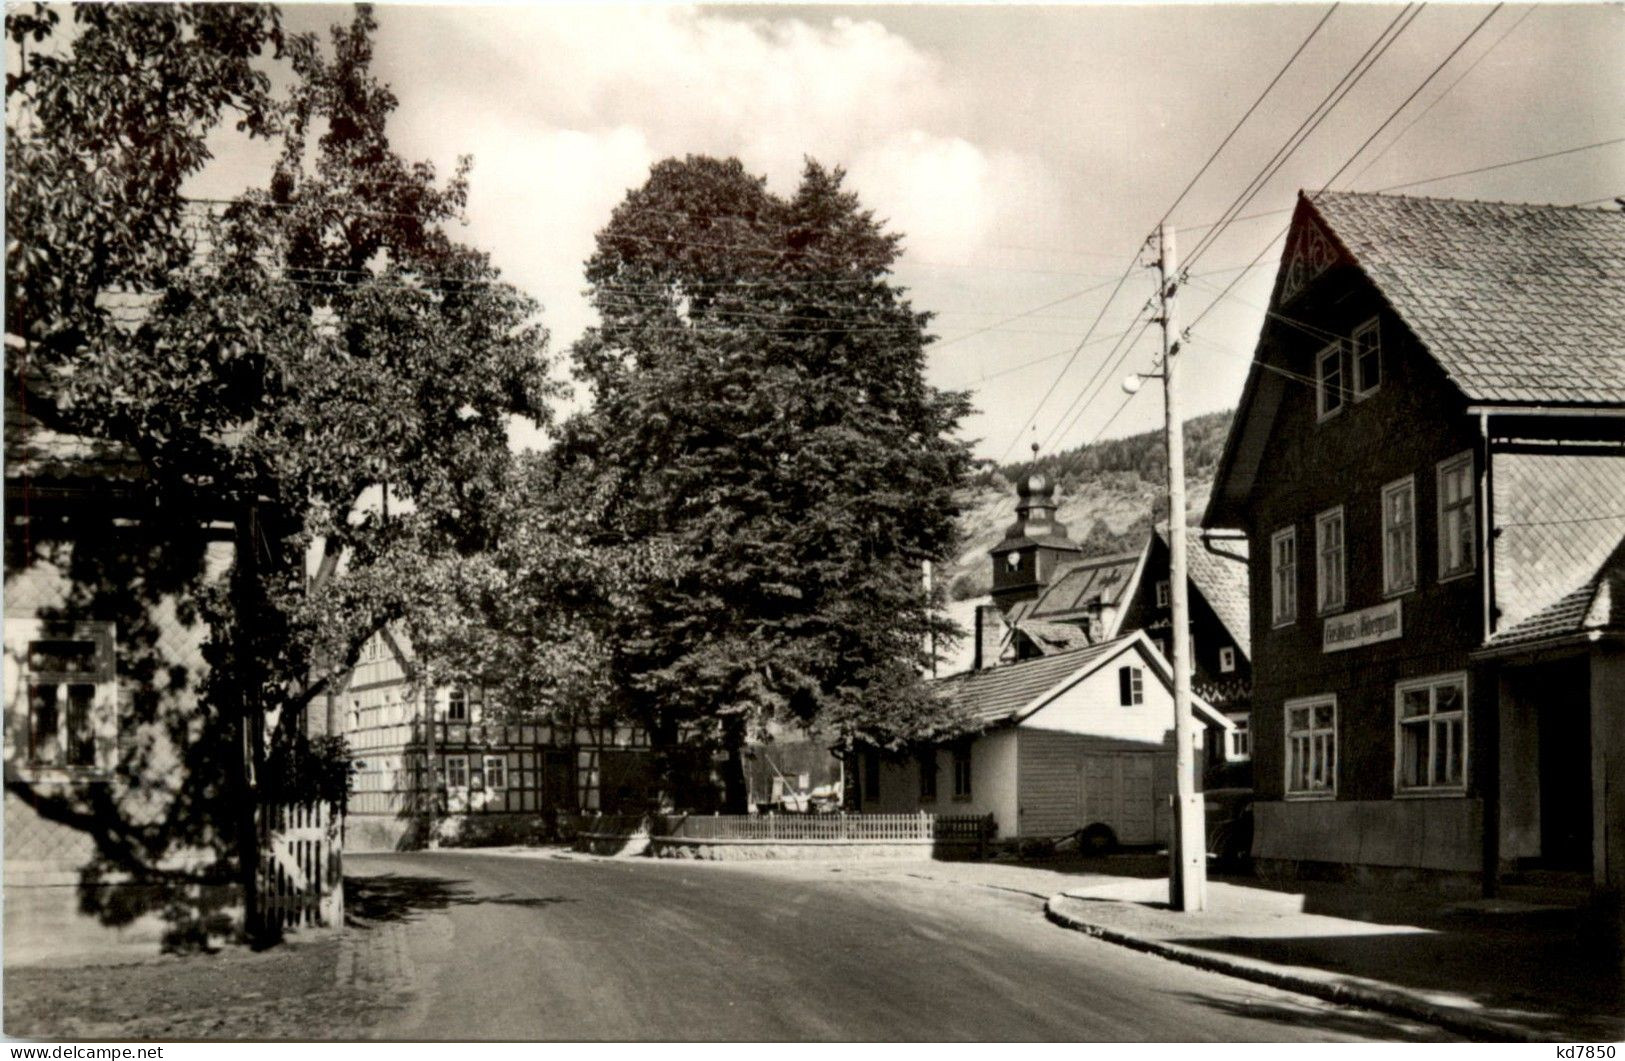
[{"x": 1076, "y": 742}]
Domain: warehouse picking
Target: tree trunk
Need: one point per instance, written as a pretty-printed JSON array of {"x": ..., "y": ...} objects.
[
  {"x": 669, "y": 794},
  {"x": 251, "y": 726},
  {"x": 735, "y": 791}
]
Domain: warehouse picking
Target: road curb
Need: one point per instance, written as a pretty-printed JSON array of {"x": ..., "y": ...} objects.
[{"x": 1367, "y": 995}]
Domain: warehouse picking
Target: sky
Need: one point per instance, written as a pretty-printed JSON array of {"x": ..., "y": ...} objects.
[{"x": 1024, "y": 153}]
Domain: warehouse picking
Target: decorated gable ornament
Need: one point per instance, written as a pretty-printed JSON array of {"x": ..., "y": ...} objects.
[{"x": 1312, "y": 254}]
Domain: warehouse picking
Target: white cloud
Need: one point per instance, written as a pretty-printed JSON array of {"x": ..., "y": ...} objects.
[{"x": 559, "y": 139}]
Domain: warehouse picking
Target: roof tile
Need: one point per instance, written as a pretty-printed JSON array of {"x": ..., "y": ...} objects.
[{"x": 1518, "y": 303}]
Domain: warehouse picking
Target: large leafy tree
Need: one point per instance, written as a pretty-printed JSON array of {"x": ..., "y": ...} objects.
[
  {"x": 758, "y": 402},
  {"x": 286, "y": 360}
]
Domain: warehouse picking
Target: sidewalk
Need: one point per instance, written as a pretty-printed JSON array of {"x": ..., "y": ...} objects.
[{"x": 1490, "y": 969}]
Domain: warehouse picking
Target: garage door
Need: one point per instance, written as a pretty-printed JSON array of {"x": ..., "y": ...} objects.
[{"x": 1119, "y": 790}]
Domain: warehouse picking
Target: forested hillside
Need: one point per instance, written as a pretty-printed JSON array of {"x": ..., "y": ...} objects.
[{"x": 1109, "y": 495}]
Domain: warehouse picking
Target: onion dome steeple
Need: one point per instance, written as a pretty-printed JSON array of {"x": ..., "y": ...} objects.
[{"x": 1033, "y": 546}]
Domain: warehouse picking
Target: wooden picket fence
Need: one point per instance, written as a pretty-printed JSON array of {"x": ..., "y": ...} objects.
[{"x": 302, "y": 867}]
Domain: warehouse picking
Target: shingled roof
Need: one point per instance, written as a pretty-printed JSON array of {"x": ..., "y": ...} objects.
[
  {"x": 1518, "y": 303},
  {"x": 1000, "y": 694},
  {"x": 1557, "y": 521},
  {"x": 995, "y": 694},
  {"x": 1098, "y": 580},
  {"x": 1053, "y": 637},
  {"x": 1221, "y": 580},
  {"x": 1597, "y": 605}
]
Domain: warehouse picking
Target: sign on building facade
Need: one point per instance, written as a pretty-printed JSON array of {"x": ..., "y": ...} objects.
[{"x": 1364, "y": 627}]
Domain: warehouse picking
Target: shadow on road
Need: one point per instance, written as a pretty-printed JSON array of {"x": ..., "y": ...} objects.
[
  {"x": 1363, "y": 1024},
  {"x": 376, "y": 900}
]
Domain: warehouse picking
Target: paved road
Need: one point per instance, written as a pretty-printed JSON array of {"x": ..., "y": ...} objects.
[{"x": 568, "y": 947}]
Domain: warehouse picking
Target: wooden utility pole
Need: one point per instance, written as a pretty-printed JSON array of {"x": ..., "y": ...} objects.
[{"x": 1187, "y": 870}]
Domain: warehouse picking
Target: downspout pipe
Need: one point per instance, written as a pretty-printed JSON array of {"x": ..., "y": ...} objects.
[{"x": 1490, "y": 724}]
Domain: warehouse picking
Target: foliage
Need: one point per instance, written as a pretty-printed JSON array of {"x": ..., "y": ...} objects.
[
  {"x": 307, "y": 343},
  {"x": 278, "y": 362},
  {"x": 760, "y": 409},
  {"x": 304, "y": 769},
  {"x": 529, "y": 617},
  {"x": 100, "y": 135},
  {"x": 1137, "y": 458}
]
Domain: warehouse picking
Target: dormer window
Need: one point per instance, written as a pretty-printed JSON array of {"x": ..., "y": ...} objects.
[
  {"x": 1367, "y": 358},
  {"x": 1329, "y": 381}
]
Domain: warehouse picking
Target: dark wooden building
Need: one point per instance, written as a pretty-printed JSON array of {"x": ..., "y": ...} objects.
[{"x": 1432, "y": 376}]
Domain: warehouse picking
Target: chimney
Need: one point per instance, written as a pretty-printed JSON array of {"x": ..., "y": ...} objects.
[{"x": 989, "y": 634}]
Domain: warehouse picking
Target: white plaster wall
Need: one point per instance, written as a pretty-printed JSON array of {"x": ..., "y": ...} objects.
[
  {"x": 1093, "y": 706},
  {"x": 993, "y": 784}
]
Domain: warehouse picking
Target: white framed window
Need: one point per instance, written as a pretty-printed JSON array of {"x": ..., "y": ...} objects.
[
  {"x": 962, "y": 771},
  {"x": 1430, "y": 742},
  {"x": 1331, "y": 583},
  {"x": 457, "y": 771},
  {"x": 496, "y": 772},
  {"x": 62, "y": 685},
  {"x": 1130, "y": 686},
  {"x": 1164, "y": 594},
  {"x": 1241, "y": 738},
  {"x": 456, "y": 704},
  {"x": 1457, "y": 529},
  {"x": 1284, "y": 576},
  {"x": 1399, "y": 536},
  {"x": 1366, "y": 355},
  {"x": 1329, "y": 381},
  {"x": 1311, "y": 747},
  {"x": 1227, "y": 660}
]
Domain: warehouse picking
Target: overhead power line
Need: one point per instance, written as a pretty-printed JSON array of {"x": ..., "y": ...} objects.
[
  {"x": 1305, "y": 129},
  {"x": 1299, "y": 136},
  {"x": 1414, "y": 93},
  {"x": 1433, "y": 180},
  {"x": 1009, "y": 369},
  {"x": 1024, "y": 313},
  {"x": 1243, "y": 120},
  {"x": 1485, "y": 54},
  {"x": 1504, "y": 165},
  {"x": 1108, "y": 366},
  {"x": 1056, "y": 382},
  {"x": 1177, "y": 200},
  {"x": 1393, "y": 187}
]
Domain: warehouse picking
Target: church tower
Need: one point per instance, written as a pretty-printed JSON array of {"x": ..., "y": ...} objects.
[{"x": 1033, "y": 546}]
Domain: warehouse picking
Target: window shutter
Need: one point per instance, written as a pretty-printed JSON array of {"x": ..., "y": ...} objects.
[{"x": 1125, "y": 689}]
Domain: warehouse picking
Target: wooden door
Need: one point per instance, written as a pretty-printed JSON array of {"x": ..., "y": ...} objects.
[
  {"x": 1099, "y": 797},
  {"x": 1137, "y": 800}
]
